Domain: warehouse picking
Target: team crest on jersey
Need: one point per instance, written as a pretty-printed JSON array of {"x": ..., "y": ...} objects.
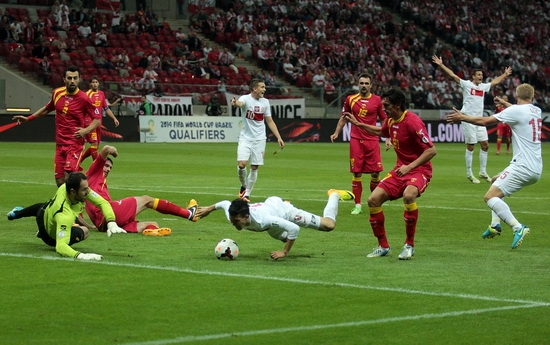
[{"x": 257, "y": 109}]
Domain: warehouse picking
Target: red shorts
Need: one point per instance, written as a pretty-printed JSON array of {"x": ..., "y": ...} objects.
[
  {"x": 125, "y": 212},
  {"x": 395, "y": 185},
  {"x": 67, "y": 158},
  {"x": 364, "y": 156},
  {"x": 504, "y": 130},
  {"x": 94, "y": 137}
]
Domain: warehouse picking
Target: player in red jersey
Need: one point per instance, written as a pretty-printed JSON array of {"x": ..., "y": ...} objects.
[
  {"x": 128, "y": 208},
  {"x": 364, "y": 148},
  {"x": 503, "y": 129},
  {"x": 72, "y": 106},
  {"x": 99, "y": 101},
  {"x": 410, "y": 176}
]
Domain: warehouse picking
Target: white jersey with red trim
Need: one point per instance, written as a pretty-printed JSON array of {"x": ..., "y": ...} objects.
[
  {"x": 254, "y": 112},
  {"x": 472, "y": 97}
]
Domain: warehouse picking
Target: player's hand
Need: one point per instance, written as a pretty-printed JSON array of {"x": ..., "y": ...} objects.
[
  {"x": 233, "y": 101},
  {"x": 278, "y": 254},
  {"x": 89, "y": 256},
  {"x": 116, "y": 122},
  {"x": 454, "y": 117},
  {"x": 20, "y": 119},
  {"x": 113, "y": 228}
]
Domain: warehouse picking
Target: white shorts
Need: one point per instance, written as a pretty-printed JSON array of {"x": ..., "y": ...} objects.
[
  {"x": 295, "y": 215},
  {"x": 514, "y": 178},
  {"x": 474, "y": 134},
  {"x": 251, "y": 151}
]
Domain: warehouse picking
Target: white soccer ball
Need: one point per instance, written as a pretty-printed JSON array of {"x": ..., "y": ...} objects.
[{"x": 227, "y": 249}]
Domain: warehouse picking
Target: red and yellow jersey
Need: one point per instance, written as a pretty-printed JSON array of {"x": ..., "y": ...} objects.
[
  {"x": 410, "y": 139},
  {"x": 366, "y": 110},
  {"x": 98, "y": 183},
  {"x": 72, "y": 111},
  {"x": 98, "y": 100}
]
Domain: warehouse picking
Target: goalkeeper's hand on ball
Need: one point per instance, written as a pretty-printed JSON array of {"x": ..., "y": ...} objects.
[
  {"x": 113, "y": 228},
  {"x": 89, "y": 256}
]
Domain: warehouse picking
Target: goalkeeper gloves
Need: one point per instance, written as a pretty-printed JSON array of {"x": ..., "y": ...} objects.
[
  {"x": 89, "y": 256},
  {"x": 113, "y": 228}
]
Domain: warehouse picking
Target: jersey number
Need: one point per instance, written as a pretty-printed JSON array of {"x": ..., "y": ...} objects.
[{"x": 536, "y": 125}]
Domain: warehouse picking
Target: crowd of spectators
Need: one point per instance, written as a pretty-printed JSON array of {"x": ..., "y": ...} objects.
[
  {"x": 322, "y": 45},
  {"x": 325, "y": 44}
]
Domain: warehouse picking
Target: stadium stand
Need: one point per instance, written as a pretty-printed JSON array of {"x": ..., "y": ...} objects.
[{"x": 393, "y": 41}]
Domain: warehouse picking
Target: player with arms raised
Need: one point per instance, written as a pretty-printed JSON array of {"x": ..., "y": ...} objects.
[{"x": 473, "y": 93}]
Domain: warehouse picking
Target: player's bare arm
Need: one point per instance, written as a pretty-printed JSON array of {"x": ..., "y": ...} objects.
[
  {"x": 278, "y": 254},
  {"x": 81, "y": 132},
  {"x": 438, "y": 61},
  {"x": 502, "y": 101},
  {"x": 500, "y": 78},
  {"x": 24, "y": 119},
  {"x": 341, "y": 122},
  {"x": 371, "y": 129},
  {"x": 204, "y": 211},
  {"x": 458, "y": 117}
]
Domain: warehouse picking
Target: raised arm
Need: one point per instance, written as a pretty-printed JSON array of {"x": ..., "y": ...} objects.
[
  {"x": 438, "y": 61},
  {"x": 500, "y": 78}
]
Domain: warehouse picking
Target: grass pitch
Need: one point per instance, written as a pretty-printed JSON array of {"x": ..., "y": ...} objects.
[{"x": 458, "y": 288}]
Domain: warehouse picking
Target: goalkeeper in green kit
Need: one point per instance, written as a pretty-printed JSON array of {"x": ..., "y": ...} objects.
[{"x": 56, "y": 218}]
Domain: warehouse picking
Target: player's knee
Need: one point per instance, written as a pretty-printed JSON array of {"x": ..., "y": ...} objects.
[{"x": 327, "y": 224}]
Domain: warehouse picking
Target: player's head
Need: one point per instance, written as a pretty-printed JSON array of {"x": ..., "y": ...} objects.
[
  {"x": 94, "y": 83},
  {"x": 394, "y": 102},
  {"x": 477, "y": 76},
  {"x": 71, "y": 77},
  {"x": 365, "y": 84},
  {"x": 239, "y": 213},
  {"x": 525, "y": 92},
  {"x": 76, "y": 186},
  {"x": 258, "y": 88},
  {"x": 107, "y": 167}
]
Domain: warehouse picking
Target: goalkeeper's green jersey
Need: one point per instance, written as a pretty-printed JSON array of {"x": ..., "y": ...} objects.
[{"x": 60, "y": 215}]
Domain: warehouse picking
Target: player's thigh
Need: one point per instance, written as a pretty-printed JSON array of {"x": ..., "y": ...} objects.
[
  {"x": 470, "y": 135},
  {"x": 257, "y": 152},
  {"x": 73, "y": 157},
  {"x": 514, "y": 178},
  {"x": 125, "y": 210},
  {"x": 481, "y": 133},
  {"x": 365, "y": 157},
  {"x": 244, "y": 149}
]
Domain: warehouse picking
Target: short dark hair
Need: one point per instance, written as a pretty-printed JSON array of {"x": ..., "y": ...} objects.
[
  {"x": 396, "y": 97},
  {"x": 365, "y": 75},
  {"x": 95, "y": 77},
  {"x": 71, "y": 69},
  {"x": 239, "y": 207},
  {"x": 73, "y": 181}
]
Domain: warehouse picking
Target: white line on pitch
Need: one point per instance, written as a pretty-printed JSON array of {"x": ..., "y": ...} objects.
[
  {"x": 281, "y": 279},
  {"x": 191, "y": 338}
]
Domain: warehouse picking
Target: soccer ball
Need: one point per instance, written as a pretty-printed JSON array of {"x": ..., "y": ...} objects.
[{"x": 227, "y": 249}]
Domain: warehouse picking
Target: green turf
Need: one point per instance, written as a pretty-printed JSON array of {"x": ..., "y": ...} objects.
[{"x": 458, "y": 289}]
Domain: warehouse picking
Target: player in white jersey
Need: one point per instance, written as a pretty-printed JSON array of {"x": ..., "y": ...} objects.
[
  {"x": 526, "y": 166},
  {"x": 473, "y": 94},
  {"x": 252, "y": 140},
  {"x": 280, "y": 219}
]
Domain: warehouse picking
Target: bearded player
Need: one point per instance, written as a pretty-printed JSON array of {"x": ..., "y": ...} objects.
[{"x": 364, "y": 148}]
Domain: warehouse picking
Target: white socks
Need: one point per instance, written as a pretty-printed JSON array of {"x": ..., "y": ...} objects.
[{"x": 331, "y": 209}]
